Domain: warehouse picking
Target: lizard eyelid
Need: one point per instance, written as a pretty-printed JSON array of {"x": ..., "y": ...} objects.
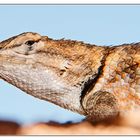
[{"x": 30, "y": 42}]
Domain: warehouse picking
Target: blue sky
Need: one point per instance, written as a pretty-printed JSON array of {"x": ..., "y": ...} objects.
[{"x": 95, "y": 24}]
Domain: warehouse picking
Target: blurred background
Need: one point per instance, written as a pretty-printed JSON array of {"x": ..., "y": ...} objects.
[{"x": 95, "y": 24}]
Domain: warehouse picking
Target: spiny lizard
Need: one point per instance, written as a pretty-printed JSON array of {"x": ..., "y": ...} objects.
[{"x": 99, "y": 82}]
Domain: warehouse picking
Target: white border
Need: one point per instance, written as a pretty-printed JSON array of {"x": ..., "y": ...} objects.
[
  {"x": 69, "y": 138},
  {"x": 69, "y": 2}
]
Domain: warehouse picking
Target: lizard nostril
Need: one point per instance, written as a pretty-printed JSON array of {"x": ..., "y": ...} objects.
[
  {"x": 62, "y": 71},
  {"x": 30, "y": 42}
]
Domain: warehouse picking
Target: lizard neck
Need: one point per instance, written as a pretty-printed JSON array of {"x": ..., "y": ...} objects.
[{"x": 90, "y": 83}]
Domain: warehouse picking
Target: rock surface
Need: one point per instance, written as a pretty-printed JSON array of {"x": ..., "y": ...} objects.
[
  {"x": 8, "y": 127},
  {"x": 128, "y": 125}
]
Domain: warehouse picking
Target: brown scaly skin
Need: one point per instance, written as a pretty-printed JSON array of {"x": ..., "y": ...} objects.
[{"x": 96, "y": 81}]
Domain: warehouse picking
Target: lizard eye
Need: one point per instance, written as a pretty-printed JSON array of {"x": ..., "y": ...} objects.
[
  {"x": 25, "y": 48},
  {"x": 30, "y": 43}
]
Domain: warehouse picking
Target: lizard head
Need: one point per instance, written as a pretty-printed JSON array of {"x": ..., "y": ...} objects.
[{"x": 53, "y": 70}]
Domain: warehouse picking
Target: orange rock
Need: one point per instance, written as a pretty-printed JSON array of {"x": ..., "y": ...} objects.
[
  {"x": 126, "y": 125},
  {"x": 8, "y": 127},
  {"x": 83, "y": 128}
]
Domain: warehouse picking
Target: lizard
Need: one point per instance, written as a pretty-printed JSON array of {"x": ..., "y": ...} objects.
[{"x": 100, "y": 82}]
